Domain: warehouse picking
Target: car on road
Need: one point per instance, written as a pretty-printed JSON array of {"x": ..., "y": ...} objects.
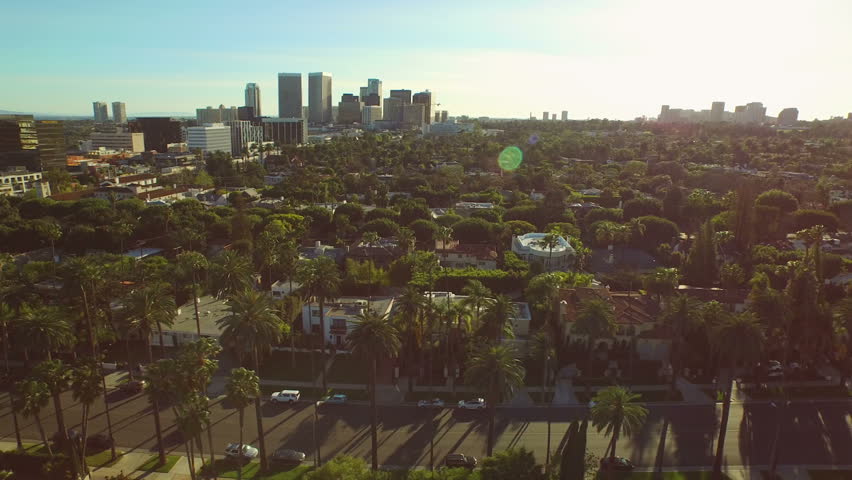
[
  {"x": 99, "y": 441},
  {"x": 285, "y": 396},
  {"x": 434, "y": 403},
  {"x": 456, "y": 460},
  {"x": 620, "y": 464},
  {"x": 336, "y": 399},
  {"x": 233, "y": 451},
  {"x": 472, "y": 404},
  {"x": 286, "y": 456},
  {"x": 133, "y": 387}
]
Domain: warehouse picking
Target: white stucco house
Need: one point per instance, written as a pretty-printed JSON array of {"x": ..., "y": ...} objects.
[
  {"x": 341, "y": 316},
  {"x": 530, "y": 247}
]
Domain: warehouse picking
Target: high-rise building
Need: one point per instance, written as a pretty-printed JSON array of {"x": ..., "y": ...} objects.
[
  {"x": 372, "y": 93},
  {"x": 159, "y": 132},
  {"x": 553, "y": 117},
  {"x": 788, "y": 117},
  {"x": 247, "y": 113},
  {"x": 19, "y": 142},
  {"x": 209, "y": 138},
  {"x": 216, "y": 115},
  {"x": 437, "y": 116},
  {"x": 243, "y": 134},
  {"x": 290, "y": 95},
  {"x": 119, "y": 139},
  {"x": 370, "y": 113},
  {"x": 755, "y": 112},
  {"x": 119, "y": 113},
  {"x": 414, "y": 115},
  {"x": 51, "y": 143},
  {"x": 349, "y": 109},
  {"x": 425, "y": 99},
  {"x": 664, "y": 114},
  {"x": 444, "y": 116},
  {"x": 404, "y": 96},
  {"x": 564, "y": 115},
  {"x": 717, "y": 111},
  {"x": 545, "y": 116},
  {"x": 392, "y": 109},
  {"x": 253, "y": 98},
  {"x": 101, "y": 112},
  {"x": 319, "y": 97},
  {"x": 285, "y": 131}
]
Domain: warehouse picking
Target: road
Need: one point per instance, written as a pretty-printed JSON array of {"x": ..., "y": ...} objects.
[{"x": 674, "y": 435}]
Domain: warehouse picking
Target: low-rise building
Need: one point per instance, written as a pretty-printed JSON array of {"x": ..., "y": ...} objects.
[
  {"x": 382, "y": 252},
  {"x": 531, "y": 248},
  {"x": 520, "y": 317},
  {"x": 16, "y": 181},
  {"x": 209, "y": 138},
  {"x": 184, "y": 330},
  {"x": 456, "y": 255},
  {"x": 341, "y": 316},
  {"x": 120, "y": 140}
]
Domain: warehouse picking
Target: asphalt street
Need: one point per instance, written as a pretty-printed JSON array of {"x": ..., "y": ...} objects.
[{"x": 674, "y": 435}]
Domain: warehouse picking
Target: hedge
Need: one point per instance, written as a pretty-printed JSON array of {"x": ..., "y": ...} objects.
[
  {"x": 499, "y": 281},
  {"x": 36, "y": 465}
]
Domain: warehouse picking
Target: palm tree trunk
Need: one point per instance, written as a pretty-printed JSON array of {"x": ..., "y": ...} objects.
[
  {"x": 17, "y": 430},
  {"x": 85, "y": 423},
  {"x": 200, "y": 447},
  {"x": 374, "y": 417},
  {"x": 242, "y": 421},
  {"x": 155, "y": 405},
  {"x": 195, "y": 303},
  {"x": 544, "y": 399},
  {"x": 43, "y": 436},
  {"x": 190, "y": 457},
  {"x": 108, "y": 417},
  {"x": 723, "y": 426},
  {"x": 260, "y": 440},
  {"x": 322, "y": 343},
  {"x": 127, "y": 355},
  {"x": 162, "y": 345},
  {"x": 210, "y": 442},
  {"x": 60, "y": 417}
]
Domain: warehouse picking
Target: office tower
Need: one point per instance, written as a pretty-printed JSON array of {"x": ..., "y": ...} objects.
[
  {"x": 392, "y": 109},
  {"x": 285, "y": 131},
  {"x": 553, "y": 117},
  {"x": 788, "y": 117},
  {"x": 414, "y": 115},
  {"x": 159, "y": 132},
  {"x": 216, "y": 115},
  {"x": 564, "y": 115},
  {"x": 253, "y": 98},
  {"x": 243, "y": 134},
  {"x": 51, "y": 143},
  {"x": 247, "y": 113},
  {"x": 101, "y": 112},
  {"x": 19, "y": 142},
  {"x": 425, "y": 99},
  {"x": 349, "y": 109},
  {"x": 739, "y": 114},
  {"x": 372, "y": 93},
  {"x": 119, "y": 139},
  {"x": 755, "y": 112},
  {"x": 209, "y": 138},
  {"x": 717, "y": 111},
  {"x": 664, "y": 114},
  {"x": 404, "y": 96},
  {"x": 290, "y": 95},
  {"x": 370, "y": 113},
  {"x": 444, "y": 116},
  {"x": 119, "y": 113},
  {"x": 437, "y": 116},
  {"x": 319, "y": 97},
  {"x": 545, "y": 116}
]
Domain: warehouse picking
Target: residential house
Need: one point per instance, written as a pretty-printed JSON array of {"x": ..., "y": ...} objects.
[
  {"x": 456, "y": 255},
  {"x": 185, "y": 330},
  {"x": 341, "y": 316},
  {"x": 520, "y": 320},
  {"x": 382, "y": 252},
  {"x": 529, "y": 247},
  {"x": 734, "y": 299}
]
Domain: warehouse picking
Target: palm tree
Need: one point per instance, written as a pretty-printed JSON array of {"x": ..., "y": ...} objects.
[
  {"x": 253, "y": 326},
  {"x": 160, "y": 390},
  {"x": 497, "y": 319},
  {"x": 86, "y": 387},
  {"x": 30, "y": 396},
  {"x": 445, "y": 235},
  {"x": 607, "y": 233},
  {"x": 192, "y": 415},
  {"x": 56, "y": 376},
  {"x": 550, "y": 241},
  {"x": 544, "y": 350},
  {"x": 477, "y": 297},
  {"x": 683, "y": 313},
  {"x": 149, "y": 306},
  {"x": 496, "y": 370},
  {"x": 197, "y": 365},
  {"x": 374, "y": 338},
  {"x": 290, "y": 311},
  {"x": 616, "y": 411},
  {"x": 243, "y": 386},
  {"x": 409, "y": 306},
  {"x": 231, "y": 273},
  {"x": 596, "y": 320},
  {"x": 739, "y": 340},
  {"x": 42, "y": 329},
  {"x": 193, "y": 262},
  {"x": 405, "y": 239},
  {"x": 320, "y": 280}
]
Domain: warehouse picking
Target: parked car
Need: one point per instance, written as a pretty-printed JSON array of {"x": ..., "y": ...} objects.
[
  {"x": 99, "y": 441},
  {"x": 286, "y": 456},
  {"x": 456, "y": 460},
  {"x": 133, "y": 387},
  {"x": 473, "y": 404},
  {"x": 434, "y": 403},
  {"x": 620, "y": 464},
  {"x": 233, "y": 451},
  {"x": 336, "y": 399},
  {"x": 285, "y": 396}
]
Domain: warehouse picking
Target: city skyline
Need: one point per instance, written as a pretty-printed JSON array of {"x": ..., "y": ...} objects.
[{"x": 600, "y": 61}]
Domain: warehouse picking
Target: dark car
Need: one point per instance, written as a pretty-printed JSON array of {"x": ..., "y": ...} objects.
[
  {"x": 620, "y": 464},
  {"x": 455, "y": 460},
  {"x": 286, "y": 456},
  {"x": 99, "y": 441},
  {"x": 133, "y": 387}
]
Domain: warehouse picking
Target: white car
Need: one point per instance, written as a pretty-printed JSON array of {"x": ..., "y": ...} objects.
[
  {"x": 473, "y": 404},
  {"x": 285, "y": 396},
  {"x": 434, "y": 403},
  {"x": 233, "y": 451}
]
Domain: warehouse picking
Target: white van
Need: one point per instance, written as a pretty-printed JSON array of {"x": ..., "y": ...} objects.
[{"x": 285, "y": 396}]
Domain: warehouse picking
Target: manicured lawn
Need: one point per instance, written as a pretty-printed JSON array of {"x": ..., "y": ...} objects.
[
  {"x": 103, "y": 458},
  {"x": 279, "y": 366},
  {"x": 226, "y": 468},
  {"x": 698, "y": 475},
  {"x": 830, "y": 474},
  {"x": 348, "y": 368},
  {"x": 831, "y": 391},
  {"x": 153, "y": 464}
]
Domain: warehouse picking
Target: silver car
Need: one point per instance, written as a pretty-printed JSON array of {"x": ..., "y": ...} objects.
[
  {"x": 286, "y": 456},
  {"x": 233, "y": 451}
]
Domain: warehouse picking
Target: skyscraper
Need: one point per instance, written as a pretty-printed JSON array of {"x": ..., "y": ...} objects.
[
  {"x": 19, "y": 142},
  {"x": 51, "y": 143},
  {"x": 119, "y": 113},
  {"x": 371, "y": 113},
  {"x": 788, "y": 117},
  {"x": 159, "y": 132},
  {"x": 404, "y": 96},
  {"x": 545, "y": 116},
  {"x": 444, "y": 116},
  {"x": 564, "y": 115},
  {"x": 243, "y": 135},
  {"x": 755, "y": 112},
  {"x": 101, "y": 112},
  {"x": 414, "y": 115},
  {"x": 349, "y": 109},
  {"x": 213, "y": 137},
  {"x": 717, "y": 111},
  {"x": 424, "y": 98},
  {"x": 253, "y": 98},
  {"x": 372, "y": 93},
  {"x": 290, "y": 95},
  {"x": 392, "y": 109},
  {"x": 319, "y": 97},
  {"x": 216, "y": 115}
]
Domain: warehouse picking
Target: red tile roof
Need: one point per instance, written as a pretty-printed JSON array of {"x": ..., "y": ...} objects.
[{"x": 631, "y": 308}]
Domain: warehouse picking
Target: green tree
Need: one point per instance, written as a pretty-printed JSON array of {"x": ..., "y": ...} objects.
[
  {"x": 150, "y": 306},
  {"x": 731, "y": 276},
  {"x": 159, "y": 390},
  {"x": 408, "y": 309},
  {"x": 662, "y": 282},
  {"x": 376, "y": 339},
  {"x": 544, "y": 351},
  {"x": 231, "y": 273},
  {"x": 682, "y": 314},
  {"x": 496, "y": 321},
  {"x": 56, "y": 376},
  {"x": 494, "y": 369},
  {"x": 191, "y": 417},
  {"x": 700, "y": 267},
  {"x": 86, "y": 387},
  {"x": 242, "y": 388},
  {"x": 779, "y": 199},
  {"x": 596, "y": 320},
  {"x": 42, "y": 329},
  {"x": 30, "y": 397},
  {"x": 194, "y": 263},
  {"x": 616, "y": 412},
  {"x": 477, "y": 296},
  {"x": 511, "y": 464},
  {"x": 320, "y": 281}
]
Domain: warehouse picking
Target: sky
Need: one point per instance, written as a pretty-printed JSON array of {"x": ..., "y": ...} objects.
[{"x": 595, "y": 59}]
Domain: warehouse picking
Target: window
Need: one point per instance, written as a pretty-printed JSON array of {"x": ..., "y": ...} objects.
[
  {"x": 338, "y": 323},
  {"x": 315, "y": 313}
]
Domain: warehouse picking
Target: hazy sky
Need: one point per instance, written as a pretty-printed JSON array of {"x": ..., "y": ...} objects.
[{"x": 614, "y": 59}]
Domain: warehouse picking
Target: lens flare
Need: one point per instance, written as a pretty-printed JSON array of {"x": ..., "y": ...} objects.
[
  {"x": 510, "y": 158},
  {"x": 533, "y": 139}
]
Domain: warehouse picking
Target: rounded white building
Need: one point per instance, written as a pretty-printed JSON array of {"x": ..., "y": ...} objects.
[{"x": 530, "y": 247}]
